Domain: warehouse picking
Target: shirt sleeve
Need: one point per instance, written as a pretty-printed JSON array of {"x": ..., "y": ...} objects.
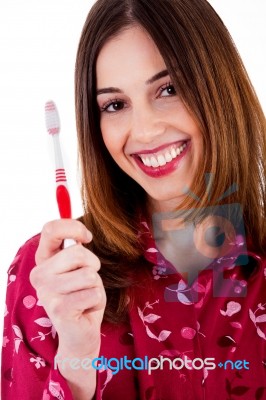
[{"x": 29, "y": 339}]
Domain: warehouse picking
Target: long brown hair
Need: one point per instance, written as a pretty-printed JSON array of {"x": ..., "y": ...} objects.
[{"x": 210, "y": 78}]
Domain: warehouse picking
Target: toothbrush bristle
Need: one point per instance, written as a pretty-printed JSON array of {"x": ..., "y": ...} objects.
[{"x": 52, "y": 118}]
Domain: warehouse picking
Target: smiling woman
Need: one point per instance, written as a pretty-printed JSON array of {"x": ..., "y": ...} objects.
[{"x": 164, "y": 106}]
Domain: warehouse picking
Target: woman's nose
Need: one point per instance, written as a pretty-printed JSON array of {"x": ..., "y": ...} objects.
[{"x": 147, "y": 124}]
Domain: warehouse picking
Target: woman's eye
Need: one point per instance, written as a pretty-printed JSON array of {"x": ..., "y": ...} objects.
[
  {"x": 168, "y": 90},
  {"x": 113, "y": 106}
]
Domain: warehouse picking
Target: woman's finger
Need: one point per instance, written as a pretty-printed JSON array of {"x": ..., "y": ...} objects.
[
  {"x": 66, "y": 307},
  {"x": 68, "y": 282},
  {"x": 53, "y": 234},
  {"x": 70, "y": 259}
]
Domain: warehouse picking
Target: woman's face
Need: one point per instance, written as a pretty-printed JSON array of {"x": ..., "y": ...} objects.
[{"x": 145, "y": 126}]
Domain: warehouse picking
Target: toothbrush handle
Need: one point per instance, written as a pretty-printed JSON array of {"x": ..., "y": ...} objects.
[
  {"x": 64, "y": 206},
  {"x": 68, "y": 243},
  {"x": 63, "y": 201}
]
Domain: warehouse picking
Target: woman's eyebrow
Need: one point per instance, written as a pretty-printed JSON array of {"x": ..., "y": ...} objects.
[
  {"x": 157, "y": 76},
  {"x": 108, "y": 90},
  {"x": 154, "y": 78}
]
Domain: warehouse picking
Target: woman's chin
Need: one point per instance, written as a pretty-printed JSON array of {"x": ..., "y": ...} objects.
[{"x": 165, "y": 202}]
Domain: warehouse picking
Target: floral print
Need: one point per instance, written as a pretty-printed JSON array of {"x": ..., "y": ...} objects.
[
  {"x": 257, "y": 319},
  {"x": 150, "y": 319},
  {"x": 27, "y": 364},
  {"x": 231, "y": 308},
  {"x": 169, "y": 318}
]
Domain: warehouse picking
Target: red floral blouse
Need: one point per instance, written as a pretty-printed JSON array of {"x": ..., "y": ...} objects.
[{"x": 202, "y": 341}]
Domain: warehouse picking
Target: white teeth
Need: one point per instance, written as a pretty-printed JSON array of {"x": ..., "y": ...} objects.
[
  {"x": 173, "y": 153},
  {"x": 148, "y": 162},
  {"x": 154, "y": 162},
  {"x": 162, "y": 159},
  {"x": 144, "y": 160},
  {"x": 168, "y": 157}
]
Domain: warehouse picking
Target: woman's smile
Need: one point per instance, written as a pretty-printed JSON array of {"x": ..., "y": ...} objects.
[{"x": 163, "y": 161}]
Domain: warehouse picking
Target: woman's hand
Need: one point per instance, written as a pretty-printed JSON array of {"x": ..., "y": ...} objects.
[{"x": 70, "y": 289}]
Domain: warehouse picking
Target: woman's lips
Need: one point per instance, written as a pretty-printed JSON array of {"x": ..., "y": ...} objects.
[
  {"x": 161, "y": 148},
  {"x": 169, "y": 167}
]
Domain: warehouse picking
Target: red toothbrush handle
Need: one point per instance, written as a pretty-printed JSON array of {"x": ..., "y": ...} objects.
[{"x": 63, "y": 201}]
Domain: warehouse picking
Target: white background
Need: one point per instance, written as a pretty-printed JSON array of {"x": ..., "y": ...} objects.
[{"x": 38, "y": 42}]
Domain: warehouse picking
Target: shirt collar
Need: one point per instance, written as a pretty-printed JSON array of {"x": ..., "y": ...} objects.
[{"x": 240, "y": 255}]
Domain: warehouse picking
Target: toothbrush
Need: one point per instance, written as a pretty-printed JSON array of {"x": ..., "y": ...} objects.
[{"x": 62, "y": 194}]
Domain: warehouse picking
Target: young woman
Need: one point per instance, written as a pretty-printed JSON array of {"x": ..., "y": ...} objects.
[{"x": 163, "y": 106}]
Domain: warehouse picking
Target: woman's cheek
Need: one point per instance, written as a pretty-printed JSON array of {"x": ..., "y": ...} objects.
[{"x": 114, "y": 134}]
